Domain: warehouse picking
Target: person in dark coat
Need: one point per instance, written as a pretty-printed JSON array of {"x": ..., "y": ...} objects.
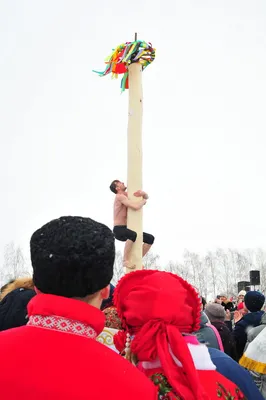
[
  {"x": 253, "y": 302},
  {"x": 15, "y": 297},
  {"x": 206, "y": 334},
  {"x": 216, "y": 314},
  {"x": 203, "y": 303}
]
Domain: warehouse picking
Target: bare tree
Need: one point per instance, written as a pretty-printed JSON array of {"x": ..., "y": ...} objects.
[
  {"x": 191, "y": 263},
  {"x": 225, "y": 281},
  {"x": 150, "y": 261},
  {"x": 14, "y": 265},
  {"x": 260, "y": 263},
  {"x": 199, "y": 272},
  {"x": 212, "y": 271},
  {"x": 180, "y": 270},
  {"x": 243, "y": 266},
  {"x": 118, "y": 268}
]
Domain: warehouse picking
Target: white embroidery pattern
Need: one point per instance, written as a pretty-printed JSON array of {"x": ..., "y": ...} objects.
[{"x": 62, "y": 324}]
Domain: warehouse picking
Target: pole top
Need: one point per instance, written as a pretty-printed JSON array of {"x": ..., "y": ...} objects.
[{"x": 124, "y": 55}]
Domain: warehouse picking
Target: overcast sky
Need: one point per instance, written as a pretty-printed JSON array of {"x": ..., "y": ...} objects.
[{"x": 63, "y": 129}]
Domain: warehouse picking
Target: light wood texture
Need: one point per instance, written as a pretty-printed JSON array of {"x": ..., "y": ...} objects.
[{"x": 134, "y": 159}]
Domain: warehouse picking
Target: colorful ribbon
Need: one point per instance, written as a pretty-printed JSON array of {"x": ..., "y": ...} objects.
[{"x": 126, "y": 54}]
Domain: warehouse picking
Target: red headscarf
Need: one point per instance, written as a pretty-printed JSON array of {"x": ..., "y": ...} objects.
[{"x": 157, "y": 307}]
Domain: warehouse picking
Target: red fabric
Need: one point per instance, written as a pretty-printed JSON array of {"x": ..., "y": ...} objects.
[
  {"x": 156, "y": 307},
  {"x": 127, "y": 84},
  {"x": 215, "y": 384},
  {"x": 160, "y": 296},
  {"x": 120, "y": 341},
  {"x": 42, "y": 363},
  {"x": 120, "y": 68},
  {"x": 240, "y": 306}
]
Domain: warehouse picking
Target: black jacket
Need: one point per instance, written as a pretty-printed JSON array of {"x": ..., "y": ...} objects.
[
  {"x": 240, "y": 331},
  {"x": 13, "y": 308},
  {"x": 227, "y": 338}
]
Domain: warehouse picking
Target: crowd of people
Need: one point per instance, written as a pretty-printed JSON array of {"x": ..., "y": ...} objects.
[{"x": 166, "y": 341}]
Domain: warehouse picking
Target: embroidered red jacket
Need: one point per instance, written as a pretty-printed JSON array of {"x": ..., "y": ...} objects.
[{"x": 56, "y": 357}]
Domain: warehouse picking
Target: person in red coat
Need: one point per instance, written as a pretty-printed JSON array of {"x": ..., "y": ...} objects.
[
  {"x": 159, "y": 311},
  {"x": 55, "y": 356}
]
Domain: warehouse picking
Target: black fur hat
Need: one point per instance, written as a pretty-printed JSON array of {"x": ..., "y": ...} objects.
[{"x": 72, "y": 257}]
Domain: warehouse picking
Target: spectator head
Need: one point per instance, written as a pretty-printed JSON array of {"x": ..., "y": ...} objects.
[
  {"x": 241, "y": 295},
  {"x": 241, "y": 308},
  {"x": 157, "y": 323},
  {"x": 25, "y": 283},
  {"x": 228, "y": 305},
  {"x": 203, "y": 303},
  {"x": 254, "y": 301},
  {"x": 218, "y": 300},
  {"x": 4, "y": 288},
  {"x": 73, "y": 257},
  {"x": 215, "y": 312},
  {"x": 223, "y": 297},
  {"x": 14, "y": 301}
]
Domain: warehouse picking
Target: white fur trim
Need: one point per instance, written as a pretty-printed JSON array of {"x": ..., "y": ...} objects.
[{"x": 200, "y": 354}]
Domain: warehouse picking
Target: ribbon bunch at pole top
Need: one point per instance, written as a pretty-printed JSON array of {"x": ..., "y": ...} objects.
[{"x": 126, "y": 54}]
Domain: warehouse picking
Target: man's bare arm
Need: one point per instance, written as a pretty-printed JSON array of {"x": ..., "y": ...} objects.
[
  {"x": 132, "y": 204},
  {"x": 141, "y": 193},
  {"x": 145, "y": 195}
]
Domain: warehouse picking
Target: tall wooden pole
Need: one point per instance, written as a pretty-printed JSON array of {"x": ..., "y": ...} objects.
[{"x": 134, "y": 158}]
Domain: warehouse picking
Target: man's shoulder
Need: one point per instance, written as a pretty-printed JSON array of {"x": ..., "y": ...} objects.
[
  {"x": 215, "y": 353},
  {"x": 253, "y": 318},
  {"x": 12, "y": 333},
  {"x": 120, "y": 196},
  {"x": 242, "y": 322},
  {"x": 98, "y": 363},
  {"x": 128, "y": 377}
]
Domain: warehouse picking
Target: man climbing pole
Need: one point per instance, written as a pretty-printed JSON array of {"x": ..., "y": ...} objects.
[
  {"x": 130, "y": 59},
  {"x": 121, "y": 232}
]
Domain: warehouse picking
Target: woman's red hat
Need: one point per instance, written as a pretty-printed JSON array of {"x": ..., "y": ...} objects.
[{"x": 157, "y": 308}]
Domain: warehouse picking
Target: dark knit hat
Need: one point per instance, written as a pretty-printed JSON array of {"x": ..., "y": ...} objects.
[
  {"x": 254, "y": 301},
  {"x": 72, "y": 257},
  {"x": 215, "y": 312}
]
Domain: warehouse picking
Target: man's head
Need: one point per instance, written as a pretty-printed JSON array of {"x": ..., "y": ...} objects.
[
  {"x": 117, "y": 186},
  {"x": 254, "y": 301},
  {"x": 73, "y": 257},
  {"x": 215, "y": 312},
  {"x": 222, "y": 297}
]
